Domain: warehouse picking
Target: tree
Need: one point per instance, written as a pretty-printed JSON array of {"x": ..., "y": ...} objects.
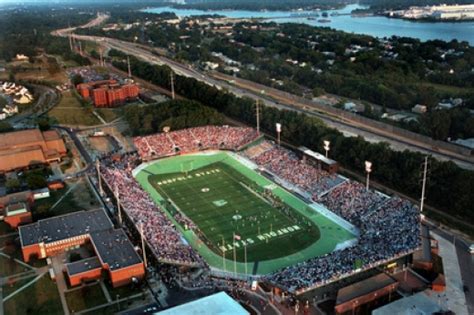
[
  {"x": 43, "y": 124},
  {"x": 77, "y": 79},
  {"x": 35, "y": 180},
  {"x": 5, "y": 127},
  {"x": 12, "y": 184}
]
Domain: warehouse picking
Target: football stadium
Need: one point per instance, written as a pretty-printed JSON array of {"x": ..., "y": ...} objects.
[
  {"x": 241, "y": 221},
  {"x": 227, "y": 200}
]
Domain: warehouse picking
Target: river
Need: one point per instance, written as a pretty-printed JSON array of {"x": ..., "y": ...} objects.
[{"x": 378, "y": 26}]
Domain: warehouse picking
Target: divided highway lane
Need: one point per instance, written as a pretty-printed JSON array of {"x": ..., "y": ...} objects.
[{"x": 348, "y": 128}]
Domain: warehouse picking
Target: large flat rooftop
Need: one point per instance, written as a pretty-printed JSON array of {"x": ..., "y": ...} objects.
[
  {"x": 64, "y": 227},
  {"x": 115, "y": 249}
]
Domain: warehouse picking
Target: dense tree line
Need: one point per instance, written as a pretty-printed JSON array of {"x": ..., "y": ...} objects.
[
  {"x": 262, "y": 4},
  {"x": 174, "y": 114},
  {"x": 15, "y": 38},
  {"x": 449, "y": 187}
]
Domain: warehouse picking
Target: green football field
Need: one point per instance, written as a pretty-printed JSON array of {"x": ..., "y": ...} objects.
[{"x": 244, "y": 221}]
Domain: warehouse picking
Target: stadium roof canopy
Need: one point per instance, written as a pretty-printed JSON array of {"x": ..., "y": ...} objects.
[
  {"x": 417, "y": 304},
  {"x": 216, "y": 304}
]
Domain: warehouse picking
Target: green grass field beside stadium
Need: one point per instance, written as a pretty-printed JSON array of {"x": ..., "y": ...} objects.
[{"x": 224, "y": 198}]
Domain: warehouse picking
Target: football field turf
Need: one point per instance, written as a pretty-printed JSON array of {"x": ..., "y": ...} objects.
[{"x": 239, "y": 213}]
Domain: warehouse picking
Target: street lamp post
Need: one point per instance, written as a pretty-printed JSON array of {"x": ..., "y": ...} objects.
[
  {"x": 326, "y": 147},
  {"x": 278, "y": 130},
  {"x": 368, "y": 169}
]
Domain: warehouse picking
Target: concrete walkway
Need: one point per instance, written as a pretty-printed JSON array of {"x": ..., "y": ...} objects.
[
  {"x": 106, "y": 292},
  {"x": 456, "y": 299},
  {"x": 60, "y": 281}
]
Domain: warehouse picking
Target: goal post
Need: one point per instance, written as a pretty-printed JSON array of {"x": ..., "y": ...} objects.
[{"x": 187, "y": 167}]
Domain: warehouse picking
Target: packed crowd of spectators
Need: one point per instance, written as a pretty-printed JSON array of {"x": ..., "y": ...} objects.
[
  {"x": 352, "y": 200},
  {"x": 286, "y": 165},
  {"x": 159, "y": 232},
  {"x": 390, "y": 231},
  {"x": 388, "y": 227},
  {"x": 194, "y": 139}
]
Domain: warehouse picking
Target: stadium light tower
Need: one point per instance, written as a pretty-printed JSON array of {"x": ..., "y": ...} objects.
[
  {"x": 119, "y": 211},
  {"x": 99, "y": 178},
  {"x": 278, "y": 130},
  {"x": 326, "y": 147},
  {"x": 258, "y": 116},
  {"x": 423, "y": 187},
  {"x": 368, "y": 169}
]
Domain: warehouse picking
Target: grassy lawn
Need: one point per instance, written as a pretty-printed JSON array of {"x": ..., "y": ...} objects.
[
  {"x": 85, "y": 297},
  {"x": 42, "y": 297},
  {"x": 108, "y": 114},
  {"x": 215, "y": 197},
  {"x": 12, "y": 287},
  {"x": 79, "y": 198},
  {"x": 9, "y": 267},
  {"x": 70, "y": 112},
  {"x": 113, "y": 309},
  {"x": 41, "y": 208},
  {"x": 5, "y": 228},
  {"x": 7, "y": 240},
  {"x": 123, "y": 292}
]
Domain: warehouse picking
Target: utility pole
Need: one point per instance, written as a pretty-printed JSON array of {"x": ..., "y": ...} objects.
[
  {"x": 258, "y": 116},
  {"x": 278, "y": 130},
  {"x": 80, "y": 48},
  {"x": 143, "y": 246},
  {"x": 99, "y": 178},
  {"x": 70, "y": 42},
  {"x": 119, "y": 211},
  {"x": 101, "y": 56},
  {"x": 172, "y": 85},
  {"x": 423, "y": 187},
  {"x": 129, "y": 68}
]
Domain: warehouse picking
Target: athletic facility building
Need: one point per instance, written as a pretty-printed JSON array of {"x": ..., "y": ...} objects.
[
  {"x": 115, "y": 253},
  {"x": 26, "y": 148}
]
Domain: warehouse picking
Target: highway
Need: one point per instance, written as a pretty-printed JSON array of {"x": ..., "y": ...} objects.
[{"x": 273, "y": 98}]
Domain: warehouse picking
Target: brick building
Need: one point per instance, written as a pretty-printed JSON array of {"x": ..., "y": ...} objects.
[
  {"x": 366, "y": 291},
  {"x": 108, "y": 93},
  {"x": 115, "y": 253},
  {"x": 15, "y": 208},
  {"x": 25, "y": 148}
]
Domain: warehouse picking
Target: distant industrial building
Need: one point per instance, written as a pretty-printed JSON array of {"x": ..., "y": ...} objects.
[
  {"x": 439, "y": 12},
  {"x": 108, "y": 93},
  {"x": 115, "y": 253},
  {"x": 22, "y": 149}
]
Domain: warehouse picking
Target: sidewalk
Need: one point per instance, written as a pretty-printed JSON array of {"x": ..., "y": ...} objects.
[{"x": 456, "y": 299}]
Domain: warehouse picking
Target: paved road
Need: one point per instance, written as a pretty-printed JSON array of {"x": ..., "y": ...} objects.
[{"x": 48, "y": 98}]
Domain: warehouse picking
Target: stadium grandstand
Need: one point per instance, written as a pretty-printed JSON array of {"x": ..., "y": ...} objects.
[
  {"x": 386, "y": 228},
  {"x": 25, "y": 148}
]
